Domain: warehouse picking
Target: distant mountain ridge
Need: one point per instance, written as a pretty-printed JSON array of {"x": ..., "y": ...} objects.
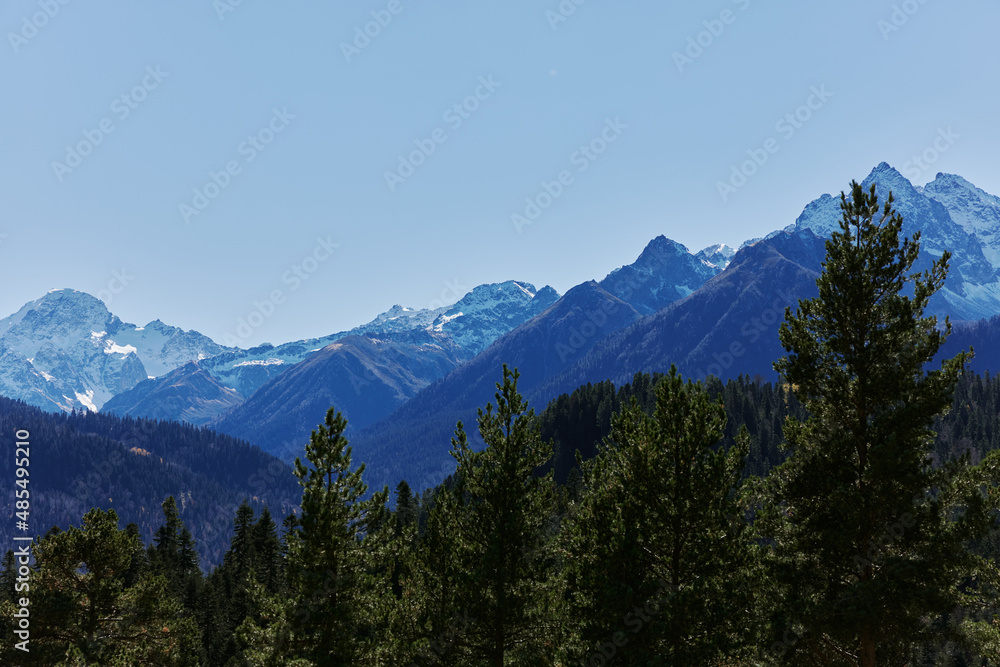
[
  {"x": 66, "y": 351},
  {"x": 405, "y": 377},
  {"x": 450, "y": 334},
  {"x": 972, "y": 290},
  {"x": 726, "y": 326}
]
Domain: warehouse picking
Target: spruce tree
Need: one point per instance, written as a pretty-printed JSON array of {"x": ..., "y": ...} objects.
[
  {"x": 431, "y": 600},
  {"x": 268, "y": 551},
  {"x": 868, "y": 537},
  {"x": 173, "y": 555}
]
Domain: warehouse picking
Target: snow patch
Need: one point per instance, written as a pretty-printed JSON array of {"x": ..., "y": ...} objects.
[
  {"x": 87, "y": 400},
  {"x": 260, "y": 362},
  {"x": 528, "y": 292},
  {"x": 112, "y": 347},
  {"x": 444, "y": 319}
]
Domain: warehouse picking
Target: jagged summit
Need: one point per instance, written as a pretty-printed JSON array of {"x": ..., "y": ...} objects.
[
  {"x": 718, "y": 255},
  {"x": 65, "y": 350},
  {"x": 664, "y": 272},
  {"x": 972, "y": 208}
]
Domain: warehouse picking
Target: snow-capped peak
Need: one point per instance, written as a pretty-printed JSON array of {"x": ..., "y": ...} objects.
[{"x": 718, "y": 255}]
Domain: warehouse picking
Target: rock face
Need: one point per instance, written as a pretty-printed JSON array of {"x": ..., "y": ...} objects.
[
  {"x": 65, "y": 351},
  {"x": 188, "y": 394},
  {"x": 665, "y": 272},
  {"x": 972, "y": 290},
  {"x": 975, "y": 211},
  {"x": 718, "y": 255}
]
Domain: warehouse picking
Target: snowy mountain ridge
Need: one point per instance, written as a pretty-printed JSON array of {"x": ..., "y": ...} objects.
[
  {"x": 951, "y": 214},
  {"x": 66, "y": 350}
]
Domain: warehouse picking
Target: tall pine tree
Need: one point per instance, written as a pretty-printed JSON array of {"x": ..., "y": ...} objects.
[
  {"x": 505, "y": 589},
  {"x": 868, "y": 537},
  {"x": 332, "y": 576}
]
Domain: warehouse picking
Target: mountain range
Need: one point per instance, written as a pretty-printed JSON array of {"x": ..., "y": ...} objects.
[{"x": 405, "y": 378}]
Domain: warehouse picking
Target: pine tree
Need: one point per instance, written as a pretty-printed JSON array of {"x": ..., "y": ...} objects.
[
  {"x": 331, "y": 575},
  {"x": 657, "y": 550},
  {"x": 82, "y": 610},
  {"x": 868, "y": 537},
  {"x": 505, "y": 588}
]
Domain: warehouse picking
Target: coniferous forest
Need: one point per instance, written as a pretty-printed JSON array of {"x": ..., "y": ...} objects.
[{"x": 846, "y": 515}]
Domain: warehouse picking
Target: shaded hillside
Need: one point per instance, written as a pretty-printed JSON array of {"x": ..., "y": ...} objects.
[
  {"x": 188, "y": 394},
  {"x": 413, "y": 442},
  {"x": 727, "y": 328},
  {"x": 85, "y": 460},
  {"x": 365, "y": 377}
]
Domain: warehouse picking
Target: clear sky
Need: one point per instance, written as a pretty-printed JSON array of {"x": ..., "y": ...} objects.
[{"x": 114, "y": 113}]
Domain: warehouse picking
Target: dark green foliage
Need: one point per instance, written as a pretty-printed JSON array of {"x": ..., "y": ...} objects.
[
  {"x": 869, "y": 538},
  {"x": 658, "y": 554},
  {"x": 83, "y": 612},
  {"x": 254, "y": 562},
  {"x": 332, "y": 565},
  {"x": 86, "y": 460},
  {"x": 613, "y": 528},
  {"x": 497, "y": 528},
  {"x": 580, "y": 421}
]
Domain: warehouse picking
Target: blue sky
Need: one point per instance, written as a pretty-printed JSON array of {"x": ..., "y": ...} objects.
[{"x": 160, "y": 97}]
